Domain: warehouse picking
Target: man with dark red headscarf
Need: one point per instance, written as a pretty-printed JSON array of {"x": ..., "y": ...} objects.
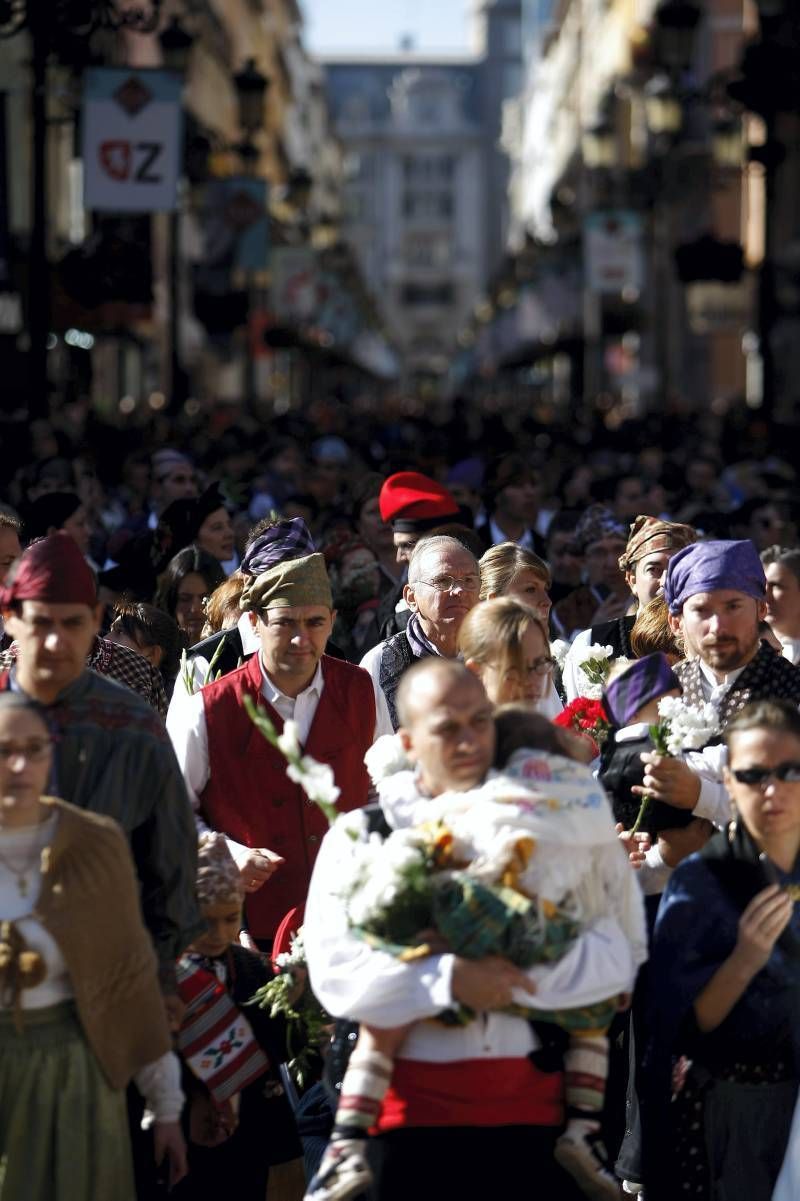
[{"x": 111, "y": 754}]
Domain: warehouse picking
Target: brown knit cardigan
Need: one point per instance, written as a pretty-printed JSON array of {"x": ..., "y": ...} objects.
[{"x": 89, "y": 903}]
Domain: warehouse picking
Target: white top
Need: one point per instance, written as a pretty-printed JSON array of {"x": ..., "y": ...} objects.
[
  {"x": 714, "y": 690},
  {"x": 790, "y": 648},
  {"x": 21, "y": 850},
  {"x": 353, "y": 980},
  {"x": 186, "y": 726},
  {"x": 498, "y": 535},
  {"x": 372, "y": 664}
]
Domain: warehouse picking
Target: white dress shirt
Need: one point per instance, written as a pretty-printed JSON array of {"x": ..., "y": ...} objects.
[
  {"x": 371, "y": 663},
  {"x": 713, "y": 688},
  {"x": 790, "y": 648},
  {"x": 497, "y": 536}
]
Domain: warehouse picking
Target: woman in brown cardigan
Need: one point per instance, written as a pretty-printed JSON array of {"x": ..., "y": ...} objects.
[{"x": 81, "y": 1013}]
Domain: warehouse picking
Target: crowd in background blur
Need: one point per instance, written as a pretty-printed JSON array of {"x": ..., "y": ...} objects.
[{"x": 163, "y": 509}]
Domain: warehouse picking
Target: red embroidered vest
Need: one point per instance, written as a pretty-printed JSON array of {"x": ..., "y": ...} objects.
[{"x": 248, "y": 795}]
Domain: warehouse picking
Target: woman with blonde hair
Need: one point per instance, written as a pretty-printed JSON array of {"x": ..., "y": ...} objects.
[
  {"x": 505, "y": 644},
  {"x": 509, "y": 569}
]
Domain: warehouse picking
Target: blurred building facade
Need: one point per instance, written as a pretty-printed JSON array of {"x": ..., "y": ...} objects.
[
  {"x": 133, "y": 315},
  {"x": 650, "y": 231},
  {"x": 425, "y": 192}
]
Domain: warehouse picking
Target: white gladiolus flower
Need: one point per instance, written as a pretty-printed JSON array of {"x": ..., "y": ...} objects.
[
  {"x": 385, "y": 758},
  {"x": 316, "y": 779},
  {"x": 288, "y": 742}
]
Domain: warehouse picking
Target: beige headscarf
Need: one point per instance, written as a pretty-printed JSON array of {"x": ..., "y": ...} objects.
[
  {"x": 295, "y": 582},
  {"x": 650, "y": 534}
]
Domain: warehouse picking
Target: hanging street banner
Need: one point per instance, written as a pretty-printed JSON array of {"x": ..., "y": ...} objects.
[
  {"x": 295, "y": 283},
  {"x": 612, "y": 252},
  {"x": 236, "y": 224},
  {"x": 132, "y": 139}
]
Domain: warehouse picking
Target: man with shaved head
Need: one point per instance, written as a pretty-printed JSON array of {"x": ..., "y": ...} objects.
[{"x": 468, "y": 1111}]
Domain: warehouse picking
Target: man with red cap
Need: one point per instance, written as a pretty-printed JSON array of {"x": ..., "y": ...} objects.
[
  {"x": 412, "y": 504},
  {"x": 112, "y": 754}
]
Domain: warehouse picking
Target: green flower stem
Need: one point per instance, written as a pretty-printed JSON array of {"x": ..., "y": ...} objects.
[
  {"x": 266, "y": 728},
  {"x": 640, "y": 816}
]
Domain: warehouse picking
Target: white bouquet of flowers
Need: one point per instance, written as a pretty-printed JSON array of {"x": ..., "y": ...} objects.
[
  {"x": 680, "y": 727},
  {"x": 686, "y": 727},
  {"x": 594, "y": 663},
  {"x": 386, "y": 757}
]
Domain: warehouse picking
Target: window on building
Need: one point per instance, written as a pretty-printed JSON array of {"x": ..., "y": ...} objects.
[
  {"x": 427, "y": 204},
  {"x": 512, "y": 80},
  {"x": 427, "y": 250},
  {"x": 431, "y": 295},
  {"x": 428, "y": 168}
]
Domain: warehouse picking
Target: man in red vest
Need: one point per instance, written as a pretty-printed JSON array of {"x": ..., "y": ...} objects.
[{"x": 236, "y": 779}]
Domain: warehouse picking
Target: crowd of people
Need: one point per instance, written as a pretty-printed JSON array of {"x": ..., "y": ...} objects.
[{"x": 592, "y": 988}]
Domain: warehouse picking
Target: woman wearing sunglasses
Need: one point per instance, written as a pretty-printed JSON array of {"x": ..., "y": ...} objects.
[{"x": 725, "y": 971}]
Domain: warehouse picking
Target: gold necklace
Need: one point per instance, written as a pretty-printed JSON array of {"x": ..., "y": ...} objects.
[{"x": 22, "y": 875}]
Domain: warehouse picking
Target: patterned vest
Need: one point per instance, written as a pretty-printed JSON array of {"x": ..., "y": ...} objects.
[
  {"x": 766, "y": 677},
  {"x": 396, "y": 659},
  {"x": 249, "y": 796}
]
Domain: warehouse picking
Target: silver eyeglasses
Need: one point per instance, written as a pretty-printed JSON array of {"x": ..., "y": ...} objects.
[{"x": 446, "y": 583}]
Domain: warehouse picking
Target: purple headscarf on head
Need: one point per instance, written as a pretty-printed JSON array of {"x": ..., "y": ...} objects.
[
  {"x": 288, "y": 538},
  {"x": 709, "y": 566},
  {"x": 635, "y": 687}
]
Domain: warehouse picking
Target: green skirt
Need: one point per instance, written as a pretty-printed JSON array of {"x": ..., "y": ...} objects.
[{"x": 63, "y": 1129}]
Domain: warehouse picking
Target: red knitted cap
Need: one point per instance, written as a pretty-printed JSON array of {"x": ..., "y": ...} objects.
[
  {"x": 52, "y": 570},
  {"x": 412, "y": 501}
]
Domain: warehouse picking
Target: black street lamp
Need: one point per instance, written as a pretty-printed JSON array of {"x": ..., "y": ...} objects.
[
  {"x": 176, "y": 46},
  {"x": 300, "y": 186},
  {"x": 676, "y": 25},
  {"x": 251, "y": 89}
]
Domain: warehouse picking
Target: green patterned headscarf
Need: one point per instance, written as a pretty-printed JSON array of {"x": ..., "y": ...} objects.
[{"x": 288, "y": 585}]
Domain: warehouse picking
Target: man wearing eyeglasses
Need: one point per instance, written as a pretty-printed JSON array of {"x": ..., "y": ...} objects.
[
  {"x": 716, "y": 593},
  {"x": 444, "y": 583}
]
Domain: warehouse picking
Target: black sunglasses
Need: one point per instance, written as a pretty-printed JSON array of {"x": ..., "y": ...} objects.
[{"x": 760, "y": 776}]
